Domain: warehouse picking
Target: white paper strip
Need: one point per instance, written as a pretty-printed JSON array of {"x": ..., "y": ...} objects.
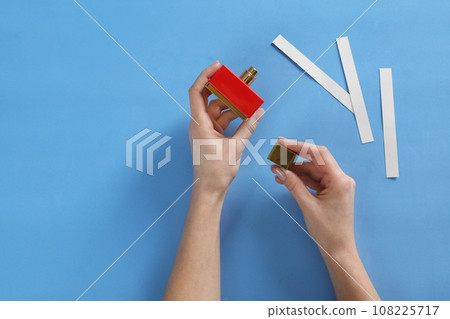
[
  {"x": 389, "y": 132},
  {"x": 354, "y": 88},
  {"x": 317, "y": 74}
]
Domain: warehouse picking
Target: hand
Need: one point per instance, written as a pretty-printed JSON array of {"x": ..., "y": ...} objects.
[
  {"x": 328, "y": 214},
  {"x": 210, "y": 122}
]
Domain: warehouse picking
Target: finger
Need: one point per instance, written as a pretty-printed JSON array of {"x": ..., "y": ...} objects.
[
  {"x": 294, "y": 184},
  {"x": 307, "y": 180},
  {"x": 225, "y": 118},
  {"x": 246, "y": 129},
  {"x": 217, "y": 127},
  {"x": 311, "y": 183},
  {"x": 301, "y": 148},
  {"x": 307, "y": 168},
  {"x": 319, "y": 155},
  {"x": 197, "y": 92},
  {"x": 215, "y": 108}
]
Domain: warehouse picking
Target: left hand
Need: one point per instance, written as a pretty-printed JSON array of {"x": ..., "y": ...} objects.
[
  {"x": 212, "y": 120},
  {"x": 329, "y": 213}
]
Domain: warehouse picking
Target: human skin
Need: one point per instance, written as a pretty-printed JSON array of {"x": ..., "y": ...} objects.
[
  {"x": 328, "y": 214},
  {"x": 196, "y": 271}
]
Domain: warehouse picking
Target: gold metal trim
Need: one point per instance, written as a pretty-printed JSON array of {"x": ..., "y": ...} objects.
[
  {"x": 275, "y": 156},
  {"x": 248, "y": 76},
  {"x": 227, "y": 102}
]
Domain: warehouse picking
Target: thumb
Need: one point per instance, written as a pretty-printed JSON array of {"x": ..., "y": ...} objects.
[
  {"x": 246, "y": 129},
  {"x": 294, "y": 184}
]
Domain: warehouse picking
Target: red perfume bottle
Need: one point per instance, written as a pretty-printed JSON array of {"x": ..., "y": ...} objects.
[{"x": 235, "y": 91}]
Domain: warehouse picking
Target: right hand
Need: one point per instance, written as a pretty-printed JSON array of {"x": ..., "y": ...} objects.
[
  {"x": 328, "y": 214},
  {"x": 209, "y": 122}
]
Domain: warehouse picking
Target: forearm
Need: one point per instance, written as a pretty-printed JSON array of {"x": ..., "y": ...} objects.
[
  {"x": 349, "y": 277},
  {"x": 196, "y": 271}
]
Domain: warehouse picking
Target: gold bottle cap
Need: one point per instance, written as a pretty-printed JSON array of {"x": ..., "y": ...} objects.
[
  {"x": 248, "y": 76},
  {"x": 282, "y": 156}
]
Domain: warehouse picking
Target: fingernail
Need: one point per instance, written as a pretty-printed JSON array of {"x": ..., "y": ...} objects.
[
  {"x": 279, "y": 172},
  {"x": 216, "y": 63}
]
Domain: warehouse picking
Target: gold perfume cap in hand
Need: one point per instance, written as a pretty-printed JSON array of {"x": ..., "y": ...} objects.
[{"x": 248, "y": 76}]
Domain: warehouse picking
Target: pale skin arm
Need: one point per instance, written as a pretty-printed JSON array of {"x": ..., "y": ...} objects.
[
  {"x": 328, "y": 216},
  {"x": 196, "y": 271},
  {"x": 357, "y": 287}
]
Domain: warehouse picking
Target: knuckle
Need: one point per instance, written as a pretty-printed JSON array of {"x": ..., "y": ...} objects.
[
  {"x": 250, "y": 127},
  {"x": 323, "y": 149},
  {"x": 347, "y": 183},
  {"x": 352, "y": 182},
  {"x": 192, "y": 89},
  {"x": 291, "y": 186}
]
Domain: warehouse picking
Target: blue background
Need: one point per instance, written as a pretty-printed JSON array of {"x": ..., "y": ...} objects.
[{"x": 70, "y": 98}]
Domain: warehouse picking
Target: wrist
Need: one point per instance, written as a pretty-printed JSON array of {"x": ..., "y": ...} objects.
[
  {"x": 209, "y": 199},
  {"x": 344, "y": 255},
  {"x": 211, "y": 189}
]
